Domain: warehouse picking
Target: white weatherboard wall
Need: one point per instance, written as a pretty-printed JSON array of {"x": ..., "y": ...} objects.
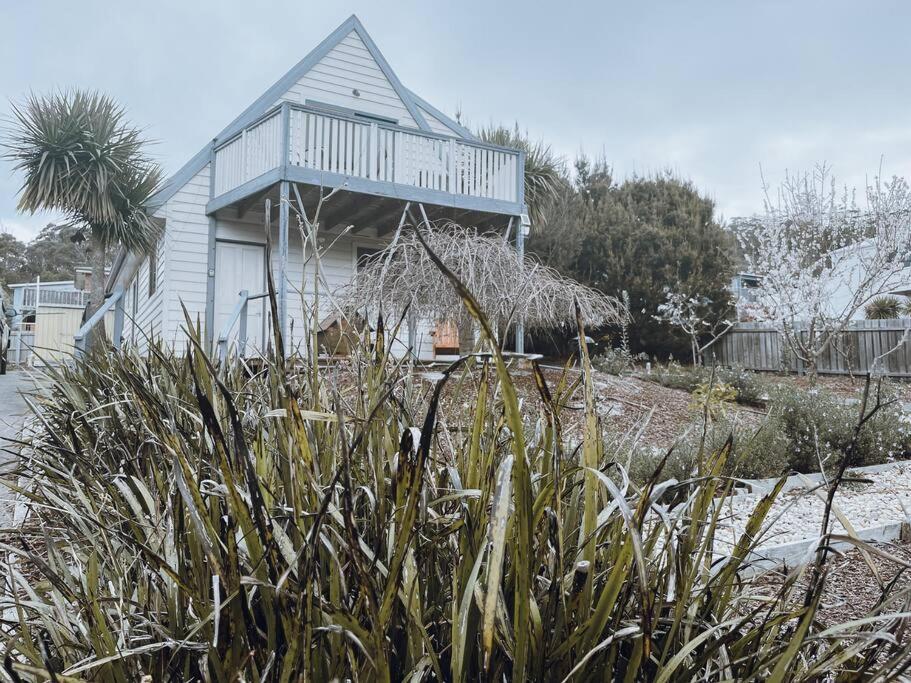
[
  {"x": 350, "y": 66},
  {"x": 184, "y": 260},
  {"x": 436, "y": 125},
  {"x": 145, "y": 312}
]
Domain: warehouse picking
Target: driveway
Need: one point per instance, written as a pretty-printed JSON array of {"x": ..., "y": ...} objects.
[{"x": 13, "y": 411}]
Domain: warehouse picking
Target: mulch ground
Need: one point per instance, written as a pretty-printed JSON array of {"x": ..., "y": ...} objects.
[
  {"x": 841, "y": 385},
  {"x": 631, "y": 406},
  {"x": 853, "y": 589}
]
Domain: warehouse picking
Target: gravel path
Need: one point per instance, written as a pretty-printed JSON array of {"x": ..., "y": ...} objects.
[
  {"x": 13, "y": 411},
  {"x": 797, "y": 515}
]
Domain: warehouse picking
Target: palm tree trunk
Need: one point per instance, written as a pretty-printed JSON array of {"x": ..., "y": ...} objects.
[{"x": 96, "y": 296}]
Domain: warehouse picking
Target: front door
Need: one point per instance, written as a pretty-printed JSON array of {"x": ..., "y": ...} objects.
[{"x": 240, "y": 266}]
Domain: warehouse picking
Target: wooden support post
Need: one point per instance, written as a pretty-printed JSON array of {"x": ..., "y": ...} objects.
[
  {"x": 118, "y": 323},
  {"x": 210, "y": 260},
  {"x": 283, "y": 207}
]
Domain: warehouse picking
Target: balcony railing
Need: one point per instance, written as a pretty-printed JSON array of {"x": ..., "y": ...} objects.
[
  {"x": 351, "y": 147},
  {"x": 55, "y": 297}
]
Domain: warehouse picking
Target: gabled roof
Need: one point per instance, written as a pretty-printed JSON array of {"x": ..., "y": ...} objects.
[
  {"x": 450, "y": 123},
  {"x": 264, "y": 102}
]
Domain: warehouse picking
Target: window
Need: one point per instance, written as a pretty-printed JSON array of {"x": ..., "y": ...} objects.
[
  {"x": 345, "y": 111},
  {"x": 364, "y": 254},
  {"x": 153, "y": 271}
]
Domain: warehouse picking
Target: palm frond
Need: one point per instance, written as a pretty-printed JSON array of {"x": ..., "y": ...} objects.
[
  {"x": 79, "y": 156},
  {"x": 545, "y": 170}
]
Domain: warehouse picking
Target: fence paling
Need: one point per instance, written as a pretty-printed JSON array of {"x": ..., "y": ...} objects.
[{"x": 759, "y": 346}]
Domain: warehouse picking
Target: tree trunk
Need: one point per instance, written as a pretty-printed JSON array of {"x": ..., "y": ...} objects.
[
  {"x": 466, "y": 334},
  {"x": 96, "y": 296}
]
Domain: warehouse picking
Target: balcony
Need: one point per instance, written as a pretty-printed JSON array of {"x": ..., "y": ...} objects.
[{"x": 315, "y": 147}]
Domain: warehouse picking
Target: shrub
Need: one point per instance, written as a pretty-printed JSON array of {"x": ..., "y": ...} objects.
[
  {"x": 617, "y": 361},
  {"x": 199, "y": 522},
  {"x": 819, "y": 427},
  {"x": 883, "y": 308},
  {"x": 711, "y": 398},
  {"x": 676, "y": 376},
  {"x": 752, "y": 388},
  {"x": 756, "y": 452},
  {"x": 803, "y": 428}
]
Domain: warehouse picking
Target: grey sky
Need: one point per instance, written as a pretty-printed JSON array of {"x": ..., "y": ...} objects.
[{"x": 712, "y": 90}]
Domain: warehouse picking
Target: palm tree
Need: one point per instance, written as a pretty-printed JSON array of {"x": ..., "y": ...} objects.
[
  {"x": 545, "y": 171},
  {"x": 80, "y": 157},
  {"x": 906, "y": 307},
  {"x": 883, "y": 308}
]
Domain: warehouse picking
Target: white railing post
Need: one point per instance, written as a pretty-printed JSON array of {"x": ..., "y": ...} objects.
[
  {"x": 372, "y": 147},
  {"x": 286, "y": 138},
  {"x": 397, "y": 175},
  {"x": 243, "y": 156},
  {"x": 451, "y": 186},
  {"x": 242, "y": 326}
]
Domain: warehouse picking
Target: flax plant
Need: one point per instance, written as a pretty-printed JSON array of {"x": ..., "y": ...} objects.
[{"x": 189, "y": 520}]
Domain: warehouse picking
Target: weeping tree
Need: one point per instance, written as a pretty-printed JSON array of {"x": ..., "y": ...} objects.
[
  {"x": 80, "y": 157},
  {"x": 403, "y": 278}
]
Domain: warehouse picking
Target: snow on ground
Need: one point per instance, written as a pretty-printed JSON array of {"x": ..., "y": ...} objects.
[{"x": 797, "y": 514}]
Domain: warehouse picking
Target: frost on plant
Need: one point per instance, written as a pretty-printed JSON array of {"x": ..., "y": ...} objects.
[{"x": 821, "y": 256}]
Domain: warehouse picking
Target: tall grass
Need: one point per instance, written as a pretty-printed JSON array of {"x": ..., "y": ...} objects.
[{"x": 284, "y": 521}]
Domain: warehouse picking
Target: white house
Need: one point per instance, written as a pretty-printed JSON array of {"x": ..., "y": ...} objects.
[
  {"x": 27, "y": 296},
  {"x": 843, "y": 283},
  {"x": 342, "y": 119}
]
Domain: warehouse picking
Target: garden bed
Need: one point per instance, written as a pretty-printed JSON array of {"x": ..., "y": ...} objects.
[{"x": 868, "y": 498}]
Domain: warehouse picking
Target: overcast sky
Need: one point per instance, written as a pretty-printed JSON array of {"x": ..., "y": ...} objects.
[{"x": 713, "y": 90}]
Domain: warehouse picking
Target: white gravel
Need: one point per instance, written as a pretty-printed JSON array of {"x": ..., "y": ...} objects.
[{"x": 797, "y": 514}]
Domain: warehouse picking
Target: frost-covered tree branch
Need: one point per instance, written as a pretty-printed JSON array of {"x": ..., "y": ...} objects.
[
  {"x": 693, "y": 315},
  {"x": 821, "y": 257}
]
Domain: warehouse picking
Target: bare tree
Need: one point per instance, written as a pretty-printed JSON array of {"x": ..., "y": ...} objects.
[
  {"x": 403, "y": 276},
  {"x": 695, "y": 316},
  {"x": 821, "y": 257}
]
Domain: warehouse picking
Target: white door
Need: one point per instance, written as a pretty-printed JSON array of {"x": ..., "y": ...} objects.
[{"x": 240, "y": 267}]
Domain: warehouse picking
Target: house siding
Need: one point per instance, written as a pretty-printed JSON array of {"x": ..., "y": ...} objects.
[
  {"x": 145, "y": 323},
  {"x": 349, "y": 66},
  {"x": 184, "y": 260},
  {"x": 436, "y": 125}
]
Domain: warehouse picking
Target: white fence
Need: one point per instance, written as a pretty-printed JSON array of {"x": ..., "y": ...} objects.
[
  {"x": 374, "y": 151},
  {"x": 22, "y": 340}
]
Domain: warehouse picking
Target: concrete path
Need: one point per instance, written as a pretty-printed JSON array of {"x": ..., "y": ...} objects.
[{"x": 13, "y": 411}]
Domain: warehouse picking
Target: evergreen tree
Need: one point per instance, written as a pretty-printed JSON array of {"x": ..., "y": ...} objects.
[{"x": 641, "y": 235}]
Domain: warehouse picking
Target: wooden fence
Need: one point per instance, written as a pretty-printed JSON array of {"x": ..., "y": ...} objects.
[{"x": 760, "y": 346}]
